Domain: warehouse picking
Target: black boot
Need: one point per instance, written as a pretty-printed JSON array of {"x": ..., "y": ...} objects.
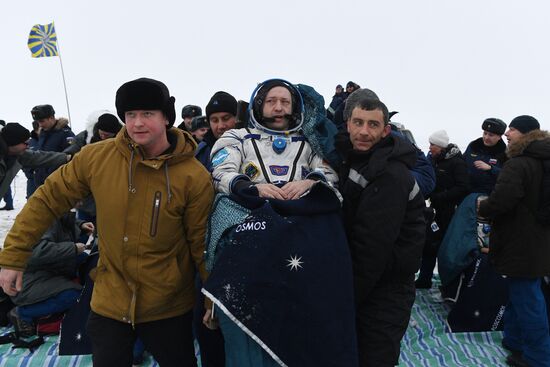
[{"x": 5, "y": 207}]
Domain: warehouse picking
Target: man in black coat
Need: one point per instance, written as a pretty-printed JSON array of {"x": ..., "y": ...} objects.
[
  {"x": 383, "y": 213},
  {"x": 451, "y": 186},
  {"x": 520, "y": 239}
]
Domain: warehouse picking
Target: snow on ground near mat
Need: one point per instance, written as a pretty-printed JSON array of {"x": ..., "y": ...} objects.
[{"x": 7, "y": 217}]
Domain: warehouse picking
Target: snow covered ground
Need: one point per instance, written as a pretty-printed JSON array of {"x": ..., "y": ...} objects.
[{"x": 19, "y": 188}]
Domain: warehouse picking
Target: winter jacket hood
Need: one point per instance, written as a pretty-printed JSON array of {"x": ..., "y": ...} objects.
[
  {"x": 451, "y": 151},
  {"x": 61, "y": 123},
  {"x": 533, "y": 144},
  {"x": 519, "y": 243}
]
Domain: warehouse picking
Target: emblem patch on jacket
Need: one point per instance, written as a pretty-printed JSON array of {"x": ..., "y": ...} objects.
[
  {"x": 220, "y": 157},
  {"x": 251, "y": 170},
  {"x": 279, "y": 170},
  {"x": 492, "y": 161}
]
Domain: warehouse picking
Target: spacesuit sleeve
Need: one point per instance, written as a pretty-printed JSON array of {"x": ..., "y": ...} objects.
[
  {"x": 226, "y": 158},
  {"x": 320, "y": 170}
]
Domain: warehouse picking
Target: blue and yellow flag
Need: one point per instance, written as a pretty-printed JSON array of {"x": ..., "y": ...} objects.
[{"x": 43, "y": 41}]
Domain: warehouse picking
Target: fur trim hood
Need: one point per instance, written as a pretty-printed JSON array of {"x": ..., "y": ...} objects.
[
  {"x": 92, "y": 120},
  {"x": 534, "y": 144}
]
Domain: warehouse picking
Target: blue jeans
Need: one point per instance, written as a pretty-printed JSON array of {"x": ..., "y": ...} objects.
[
  {"x": 526, "y": 321},
  {"x": 59, "y": 303}
]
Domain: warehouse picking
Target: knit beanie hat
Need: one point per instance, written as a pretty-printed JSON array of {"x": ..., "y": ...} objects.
[
  {"x": 525, "y": 123},
  {"x": 221, "y": 102},
  {"x": 494, "y": 125},
  {"x": 13, "y": 134},
  {"x": 109, "y": 123},
  {"x": 145, "y": 94},
  {"x": 439, "y": 138}
]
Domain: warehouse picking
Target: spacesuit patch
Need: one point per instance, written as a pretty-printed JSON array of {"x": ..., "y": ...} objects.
[
  {"x": 251, "y": 170},
  {"x": 279, "y": 170},
  {"x": 219, "y": 157}
]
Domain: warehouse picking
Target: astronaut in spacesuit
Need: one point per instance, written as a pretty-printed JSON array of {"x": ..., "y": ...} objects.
[{"x": 271, "y": 154}]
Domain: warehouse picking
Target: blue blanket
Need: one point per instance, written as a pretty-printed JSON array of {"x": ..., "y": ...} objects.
[
  {"x": 459, "y": 247},
  {"x": 286, "y": 280}
]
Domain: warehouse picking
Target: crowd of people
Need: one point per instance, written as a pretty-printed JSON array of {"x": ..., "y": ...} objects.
[{"x": 274, "y": 232}]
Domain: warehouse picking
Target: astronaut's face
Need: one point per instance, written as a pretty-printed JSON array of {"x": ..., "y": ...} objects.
[{"x": 276, "y": 107}]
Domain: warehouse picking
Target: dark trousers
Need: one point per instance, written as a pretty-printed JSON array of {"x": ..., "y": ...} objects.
[
  {"x": 429, "y": 259},
  {"x": 8, "y": 199},
  {"x": 170, "y": 341},
  {"x": 211, "y": 343},
  {"x": 381, "y": 320}
]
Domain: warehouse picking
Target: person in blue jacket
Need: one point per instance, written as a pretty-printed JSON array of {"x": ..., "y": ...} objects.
[
  {"x": 55, "y": 136},
  {"x": 485, "y": 156},
  {"x": 221, "y": 113}
]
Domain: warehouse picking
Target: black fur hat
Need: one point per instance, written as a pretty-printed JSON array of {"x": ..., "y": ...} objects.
[
  {"x": 494, "y": 125},
  {"x": 190, "y": 111},
  {"x": 145, "y": 94},
  {"x": 42, "y": 111},
  {"x": 199, "y": 122}
]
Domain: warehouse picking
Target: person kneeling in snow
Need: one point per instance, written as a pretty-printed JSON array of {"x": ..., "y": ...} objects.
[{"x": 49, "y": 285}]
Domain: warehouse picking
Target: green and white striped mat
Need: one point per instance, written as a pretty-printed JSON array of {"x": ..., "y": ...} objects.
[{"x": 426, "y": 343}]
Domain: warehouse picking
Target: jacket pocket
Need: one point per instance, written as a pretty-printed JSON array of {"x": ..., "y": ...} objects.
[{"x": 155, "y": 215}]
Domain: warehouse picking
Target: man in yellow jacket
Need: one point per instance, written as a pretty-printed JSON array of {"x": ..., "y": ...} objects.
[{"x": 153, "y": 198}]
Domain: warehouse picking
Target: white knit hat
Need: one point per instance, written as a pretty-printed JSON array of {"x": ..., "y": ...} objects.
[{"x": 439, "y": 138}]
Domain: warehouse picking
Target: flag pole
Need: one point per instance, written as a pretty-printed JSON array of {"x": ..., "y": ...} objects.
[{"x": 63, "y": 76}]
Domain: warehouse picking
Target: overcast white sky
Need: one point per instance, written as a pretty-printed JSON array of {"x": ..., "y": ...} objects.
[{"x": 442, "y": 64}]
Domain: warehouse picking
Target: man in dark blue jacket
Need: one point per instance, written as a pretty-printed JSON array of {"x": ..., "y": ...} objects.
[
  {"x": 451, "y": 186},
  {"x": 55, "y": 136},
  {"x": 485, "y": 156},
  {"x": 383, "y": 215},
  {"x": 221, "y": 113}
]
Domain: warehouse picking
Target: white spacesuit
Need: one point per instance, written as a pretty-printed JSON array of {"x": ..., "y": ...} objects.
[{"x": 259, "y": 154}]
